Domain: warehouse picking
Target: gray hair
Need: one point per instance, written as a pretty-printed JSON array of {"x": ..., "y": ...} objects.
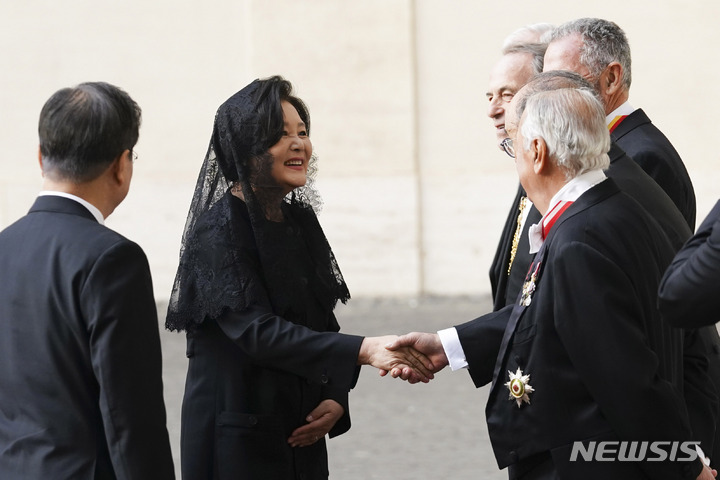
[
  {"x": 603, "y": 43},
  {"x": 571, "y": 121},
  {"x": 534, "y": 33},
  {"x": 552, "y": 80},
  {"x": 536, "y": 50}
]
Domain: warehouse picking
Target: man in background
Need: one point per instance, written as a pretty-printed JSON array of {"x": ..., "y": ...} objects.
[
  {"x": 81, "y": 392},
  {"x": 599, "y": 50},
  {"x": 576, "y": 358},
  {"x": 522, "y": 58}
]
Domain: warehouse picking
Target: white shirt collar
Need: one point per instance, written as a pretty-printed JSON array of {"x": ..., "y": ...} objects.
[
  {"x": 92, "y": 208},
  {"x": 570, "y": 192},
  {"x": 624, "y": 109}
]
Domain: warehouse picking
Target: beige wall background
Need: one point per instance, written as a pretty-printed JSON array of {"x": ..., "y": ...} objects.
[{"x": 415, "y": 189}]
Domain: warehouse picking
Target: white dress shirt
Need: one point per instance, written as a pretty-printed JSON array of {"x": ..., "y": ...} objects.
[{"x": 624, "y": 109}]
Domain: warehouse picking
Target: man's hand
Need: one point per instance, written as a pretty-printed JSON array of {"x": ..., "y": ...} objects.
[
  {"x": 426, "y": 343},
  {"x": 707, "y": 473},
  {"x": 410, "y": 364},
  {"x": 320, "y": 421}
]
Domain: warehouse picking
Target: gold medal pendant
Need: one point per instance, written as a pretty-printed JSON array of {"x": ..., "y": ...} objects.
[{"x": 519, "y": 387}]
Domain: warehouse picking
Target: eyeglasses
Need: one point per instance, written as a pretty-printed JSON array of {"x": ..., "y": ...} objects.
[
  {"x": 507, "y": 145},
  {"x": 133, "y": 155}
]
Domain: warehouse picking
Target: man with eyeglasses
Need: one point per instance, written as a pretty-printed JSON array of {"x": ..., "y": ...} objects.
[
  {"x": 582, "y": 355},
  {"x": 522, "y": 58},
  {"x": 81, "y": 392}
]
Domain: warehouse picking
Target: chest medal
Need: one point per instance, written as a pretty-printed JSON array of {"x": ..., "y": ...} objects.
[
  {"x": 519, "y": 387},
  {"x": 529, "y": 286}
]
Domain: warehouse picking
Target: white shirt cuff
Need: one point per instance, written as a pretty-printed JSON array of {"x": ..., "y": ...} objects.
[
  {"x": 453, "y": 349},
  {"x": 700, "y": 452}
]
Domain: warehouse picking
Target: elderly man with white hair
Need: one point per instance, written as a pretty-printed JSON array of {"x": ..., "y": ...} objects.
[
  {"x": 599, "y": 50},
  {"x": 573, "y": 362}
]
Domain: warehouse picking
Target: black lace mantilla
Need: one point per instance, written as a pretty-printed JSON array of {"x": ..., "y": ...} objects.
[{"x": 232, "y": 256}]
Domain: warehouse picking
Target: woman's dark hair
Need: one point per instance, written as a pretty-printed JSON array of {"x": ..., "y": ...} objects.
[
  {"x": 268, "y": 97},
  {"x": 84, "y": 128},
  {"x": 246, "y": 125}
]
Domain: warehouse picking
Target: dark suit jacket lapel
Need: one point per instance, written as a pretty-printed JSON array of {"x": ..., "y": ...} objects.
[{"x": 55, "y": 204}]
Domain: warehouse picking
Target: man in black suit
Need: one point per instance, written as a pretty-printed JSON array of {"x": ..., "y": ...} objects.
[
  {"x": 518, "y": 64},
  {"x": 599, "y": 51},
  {"x": 687, "y": 294},
  {"x": 581, "y": 356},
  {"x": 699, "y": 389},
  {"x": 81, "y": 392}
]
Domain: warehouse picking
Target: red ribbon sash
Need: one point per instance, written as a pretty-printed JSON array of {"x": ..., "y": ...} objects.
[{"x": 552, "y": 217}]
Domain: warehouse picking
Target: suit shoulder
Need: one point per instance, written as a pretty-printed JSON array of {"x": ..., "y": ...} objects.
[
  {"x": 647, "y": 142},
  {"x": 111, "y": 243},
  {"x": 92, "y": 239},
  {"x": 616, "y": 214},
  {"x": 95, "y": 237},
  {"x": 620, "y": 229}
]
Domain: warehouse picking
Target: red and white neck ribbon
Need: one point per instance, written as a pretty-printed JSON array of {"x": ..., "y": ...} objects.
[
  {"x": 562, "y": 199},
  {"x": 552, "y": 216},
  {"x": 540, "y": 231}
]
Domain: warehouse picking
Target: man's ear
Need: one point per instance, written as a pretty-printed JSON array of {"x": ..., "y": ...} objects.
[
  {"x": 611, "y": 79},
  {"x": 540, "y": 160},
  {"x": 121, "y": 168},
  {"x": 40, "y": 161}
]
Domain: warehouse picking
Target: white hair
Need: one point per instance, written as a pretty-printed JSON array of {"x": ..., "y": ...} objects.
[
  {"x": 571, "y": 121},
  {"x": 535, "y": 50},
  {"x": 535, "y": 33}
]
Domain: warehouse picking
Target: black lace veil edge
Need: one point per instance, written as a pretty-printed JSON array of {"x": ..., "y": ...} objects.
[
  {"x": 190, "y": 303},
  {"x": 245, "y": 127}
]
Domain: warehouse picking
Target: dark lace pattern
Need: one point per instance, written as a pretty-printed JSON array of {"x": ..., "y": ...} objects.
[{"x": 232, "y": 256}]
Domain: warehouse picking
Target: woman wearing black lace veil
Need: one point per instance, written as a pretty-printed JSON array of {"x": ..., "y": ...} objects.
[{"x": 255, "y": 291}]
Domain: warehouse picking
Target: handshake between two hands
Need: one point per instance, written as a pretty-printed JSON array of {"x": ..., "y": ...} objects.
[{"x": 414, "y": 357}]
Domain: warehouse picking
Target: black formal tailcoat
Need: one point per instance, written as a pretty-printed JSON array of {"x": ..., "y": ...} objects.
[
  {"x": 253, "y": 377},
  {"x": 650, "y": 149},
  {"x": 687, "y": 295},
  {"x": 81, "y": 393},
  {"x": 505, "y": 285},
  {"x": 702, "y": 347},
  {"x": 601, "y": 362}
]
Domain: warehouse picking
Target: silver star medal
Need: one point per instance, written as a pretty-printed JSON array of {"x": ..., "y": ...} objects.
[
  {"x": 519, "y": 387},
  {"x": 528, "y": 290}
]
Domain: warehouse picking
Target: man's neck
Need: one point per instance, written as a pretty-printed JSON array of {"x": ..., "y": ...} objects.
[
  {"x": 89, "y": 191},
  {"x": 614, "y": 101},
  {"x": 552, "y": 185}
]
